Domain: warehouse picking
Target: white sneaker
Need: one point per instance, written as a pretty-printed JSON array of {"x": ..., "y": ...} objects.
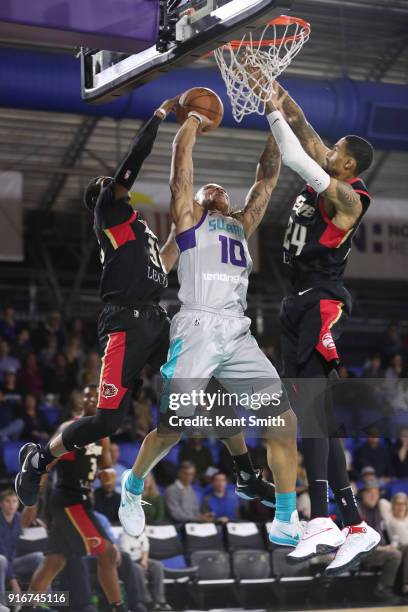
[
  {"x": 360, "y": 540},
  {"x": 131, "y": 513},
  {"x": 286, "y": 534},
  {"x": 321, "y": 536},
  {"x": 4, "y": 608}
]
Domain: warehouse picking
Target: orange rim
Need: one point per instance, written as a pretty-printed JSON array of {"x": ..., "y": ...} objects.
[{"x": 283, "y": 20}]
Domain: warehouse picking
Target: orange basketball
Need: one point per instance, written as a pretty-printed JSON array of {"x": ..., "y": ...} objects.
[{"x": 203, "y": 101}]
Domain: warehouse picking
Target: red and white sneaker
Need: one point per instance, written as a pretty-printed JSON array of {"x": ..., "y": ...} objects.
[
  {"x": 321, "y": 536},
  {"x": 360, "y": 540}
]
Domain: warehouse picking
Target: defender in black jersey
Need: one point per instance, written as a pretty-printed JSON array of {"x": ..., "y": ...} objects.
[
  {"x": 318, "y": 239},
  {"x": 75, "y": 530},
  {"x": 133, "y": 328}
]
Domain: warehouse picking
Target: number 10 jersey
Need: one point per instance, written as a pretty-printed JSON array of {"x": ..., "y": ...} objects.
[
  {"x": 215, "y": 264},
  {"x": 314, "y": 248}
]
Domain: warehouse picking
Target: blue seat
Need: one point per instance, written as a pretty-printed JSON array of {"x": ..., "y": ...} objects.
[
  {"x": 128, "y": 452},
  {"x": 10, "y": 456},
  {"x": 52, "y": 415},
  {"x": 398, "y": 486},
  {"x": 177, "y": 562}
]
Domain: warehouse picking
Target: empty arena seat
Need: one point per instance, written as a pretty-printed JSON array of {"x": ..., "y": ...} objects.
[
  {"x": 10, "y": 456},
  {"x": 251, "y": 565},
  {"x": 244, "y": 535},
  {"x": 398, "y": 486},
  {"x": 213, "y": 565},
  {"x": 164, "y": 541},
  {"x": 203, "y": 536}
]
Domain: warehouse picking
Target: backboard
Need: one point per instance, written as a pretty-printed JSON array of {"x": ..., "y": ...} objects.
[{"x": 186, "y": 30}]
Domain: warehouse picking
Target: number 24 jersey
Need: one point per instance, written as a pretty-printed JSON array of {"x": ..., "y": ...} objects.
[{"x": 314, "y": 248}]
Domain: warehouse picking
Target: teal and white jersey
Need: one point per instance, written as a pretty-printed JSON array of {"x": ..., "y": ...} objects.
[{"x": 215, "y": 264}]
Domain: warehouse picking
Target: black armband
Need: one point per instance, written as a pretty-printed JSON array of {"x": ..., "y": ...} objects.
[{"x": 140, "y": 148}]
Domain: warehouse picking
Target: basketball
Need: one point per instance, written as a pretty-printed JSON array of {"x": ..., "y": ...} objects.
[{"x": 203, "y": 101}]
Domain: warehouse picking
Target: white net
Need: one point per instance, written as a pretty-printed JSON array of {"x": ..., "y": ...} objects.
[{"x": 249, "y": 67}]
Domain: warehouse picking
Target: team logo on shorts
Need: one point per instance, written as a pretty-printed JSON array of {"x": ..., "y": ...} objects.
[
  {"x": 94, "y": 542},
  {"x": 109, "y": 390},
  {"x": 328, "y": 341}
]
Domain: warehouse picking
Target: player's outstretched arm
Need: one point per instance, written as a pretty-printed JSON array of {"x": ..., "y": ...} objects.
[
  {"x": 340, "y": 195},
  {"x": 267, "y": 174},
  {"x": 139, "y": 149},
  {"x": 309, "y": 138},
  {"x": 169, "y": 253},
  {"x": 182, "y": 171}
]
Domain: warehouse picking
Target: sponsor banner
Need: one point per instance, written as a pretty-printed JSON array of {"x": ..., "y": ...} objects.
[
  {"x": 11, "y": 216},
  {"x": 380, "y": 250}
]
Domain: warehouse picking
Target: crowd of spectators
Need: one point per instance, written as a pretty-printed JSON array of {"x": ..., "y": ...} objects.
[{"x": 43, "y": 368}]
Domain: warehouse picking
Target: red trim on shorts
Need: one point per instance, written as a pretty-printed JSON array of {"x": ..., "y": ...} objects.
[
  {"x": 123, "y": 233},
  {"x": 93, "y": 540},
  {"x": 330, "y": 313},
  {"x": 332, "y": 236},
  {"x": 68, "y": 456},
  {"x": 111, "y": 390}
]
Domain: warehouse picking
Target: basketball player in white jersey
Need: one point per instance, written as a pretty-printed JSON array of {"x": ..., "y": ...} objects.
[{"x": 210, "y": 336}]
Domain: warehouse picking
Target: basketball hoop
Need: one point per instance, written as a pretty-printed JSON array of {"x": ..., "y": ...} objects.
[{"x": 266, "y": 58}]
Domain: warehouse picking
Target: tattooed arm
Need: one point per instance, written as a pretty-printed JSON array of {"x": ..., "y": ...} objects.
[
  {"x": 346, "y": 203},
  {"x": 181, "y": 175},
  {"x": 309, "y": 139},
  {"x": 267, "y": 174}
]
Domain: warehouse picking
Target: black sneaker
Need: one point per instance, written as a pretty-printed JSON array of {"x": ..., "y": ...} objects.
[
  {"x": 253, "y": 486},
  {"x": 27, "y": 483}
]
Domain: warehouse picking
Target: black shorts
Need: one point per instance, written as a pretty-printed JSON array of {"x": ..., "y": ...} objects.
[
  {"x": 311, "y": 321},
  {"x": 130, "y": 338},
  {"x": 75, "y": 530}
]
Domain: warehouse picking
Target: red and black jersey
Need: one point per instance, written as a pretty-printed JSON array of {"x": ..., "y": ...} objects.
[
  {"x": 132, "y": 268},
  {"x": 314, "y": 248},
  {"x": 76, "y": 472}
]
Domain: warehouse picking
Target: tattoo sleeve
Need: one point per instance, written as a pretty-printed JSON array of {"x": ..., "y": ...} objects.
[
  {"x": 309, "y": 138},
  {"x": 346, "y": 198},
  {"x": 266, "y": 178}
]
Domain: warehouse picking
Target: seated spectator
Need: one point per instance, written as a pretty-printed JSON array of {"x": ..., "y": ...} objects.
[
  {"x": 154, "y": 512},
  {"x": 181, "y": 500},
  {"x": 8, "y": 324},
  {"x": 221, "y": 502},
  {"x": 392, "y": 342},
  {"x": 199, "y": 455},
  {"x": 74, "y": 355},
  {"x": 395, "y": 516},
  {"x": 48, "y": 353},
  {"x": 52, "y": 327},
  {"x": 396, "y": 367},
  {"x": 60, "y": 378},
  {"x": 367, "y": 473},
  {"x": 11, "y": 525},
  {"x": 12, "y": 394},
  {"x": 36, "y": 427},
  {"x": 90, "y": 373},
  {"x": 107, "y": 501},
  {"x": 400, "y": 454},
  {"x": 373, "y": 367},
  {"x": 375, "y": 454},
  {"x": 126, "y": 569},
  {"x": 29, "y": 378},
  {"x": 23, "y": 345},
  {"x": 7, "y": 362},
  {"x": 117, "y": 466},
  {"x": 11, "y": 425},
  {"x": 387, "y": 557},
  {"x": 302, "y": 487},
  {"x": 149, "y": 571}
]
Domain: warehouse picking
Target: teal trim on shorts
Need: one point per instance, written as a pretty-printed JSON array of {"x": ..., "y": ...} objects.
[{"x": 167, "y": 371}]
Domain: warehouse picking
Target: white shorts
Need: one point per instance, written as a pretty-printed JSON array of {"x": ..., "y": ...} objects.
[{"x": 205, "y": 345}]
